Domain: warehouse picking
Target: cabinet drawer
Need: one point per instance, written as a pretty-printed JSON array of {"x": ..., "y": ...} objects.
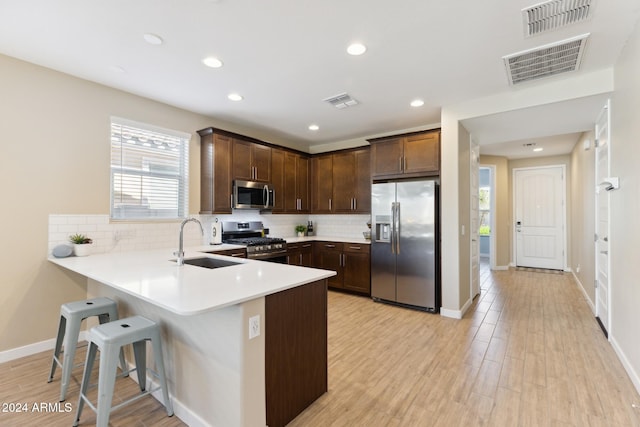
[{"x": 356, "y": 247}]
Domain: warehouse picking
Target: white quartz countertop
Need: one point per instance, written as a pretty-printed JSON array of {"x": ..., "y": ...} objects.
[
  {"x": 153, "y": 276},
  {"x": 361, "y": 241}
]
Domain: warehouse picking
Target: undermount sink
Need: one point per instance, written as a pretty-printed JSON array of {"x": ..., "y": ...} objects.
[{"x": 210, "y": 262}]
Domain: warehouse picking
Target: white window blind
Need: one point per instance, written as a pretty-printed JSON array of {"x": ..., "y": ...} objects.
[{"x": 149, "y": 171}]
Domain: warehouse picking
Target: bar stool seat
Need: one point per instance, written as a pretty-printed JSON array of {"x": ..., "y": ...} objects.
[
  {"x": 109, "y": 338},
  {"x": 71, "y": 316}
]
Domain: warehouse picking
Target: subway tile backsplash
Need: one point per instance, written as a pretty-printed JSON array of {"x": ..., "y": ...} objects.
[{"x": 124, "y": 237}]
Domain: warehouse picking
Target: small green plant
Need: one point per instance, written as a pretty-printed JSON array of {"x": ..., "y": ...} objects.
[
  {"x": 484, "y": 230},
  {"x": 80, "y": 239},
  {"x": 301, "y": 228}
]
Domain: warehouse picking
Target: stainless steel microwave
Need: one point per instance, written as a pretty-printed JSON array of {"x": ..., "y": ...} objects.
[{"x": 253, "y": 195}]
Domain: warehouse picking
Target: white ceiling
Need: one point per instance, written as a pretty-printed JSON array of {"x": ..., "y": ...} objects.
[{"x": 286, "y": 56}]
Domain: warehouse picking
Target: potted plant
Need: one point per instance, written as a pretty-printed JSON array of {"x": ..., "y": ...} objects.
[
  {"x": 81, "y": 244},
  {"x": 300, "y": 229}
]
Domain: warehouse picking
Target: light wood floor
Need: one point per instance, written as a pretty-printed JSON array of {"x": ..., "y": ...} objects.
[{"x": 528, "y": 353}]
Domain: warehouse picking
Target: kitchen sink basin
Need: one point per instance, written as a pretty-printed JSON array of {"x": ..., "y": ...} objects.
[{"x": 210, "y": 262}]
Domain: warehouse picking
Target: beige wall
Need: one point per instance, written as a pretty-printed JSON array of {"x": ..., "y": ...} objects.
[
  {"x": 582, "y": 222},
  {"x": 464, "y": 213},
  {"x": 501, "y": 231},
  {"x": 625, "y": 208},
  {"x": 55, "y": 159}
]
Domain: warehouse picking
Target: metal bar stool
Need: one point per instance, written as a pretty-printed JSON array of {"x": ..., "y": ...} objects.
[
  {"x": 71, "y": 316},
  {"x": 109, "y": 339}
]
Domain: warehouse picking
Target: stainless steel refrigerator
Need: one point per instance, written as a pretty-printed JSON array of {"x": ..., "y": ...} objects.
[{"x": 404, "y": 244}]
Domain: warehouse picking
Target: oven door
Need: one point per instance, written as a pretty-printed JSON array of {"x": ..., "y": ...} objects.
[
  {"x": 276, "y": 256},
  {"x": 252, "y": 195}
]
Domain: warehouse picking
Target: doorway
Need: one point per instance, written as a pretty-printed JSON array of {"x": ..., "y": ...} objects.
[
  {"x": 540, "y": 217},
  {"x": 486, "y": 198}
]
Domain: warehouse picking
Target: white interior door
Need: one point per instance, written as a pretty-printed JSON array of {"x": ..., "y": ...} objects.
[
  {"x": 602, "y": 220},
  {"x": 539, "y": 195},
  {"x": 475, "y": 220}
]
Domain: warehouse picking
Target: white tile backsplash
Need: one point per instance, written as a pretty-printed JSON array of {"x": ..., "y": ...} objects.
[{"x": 124, "y": 237}]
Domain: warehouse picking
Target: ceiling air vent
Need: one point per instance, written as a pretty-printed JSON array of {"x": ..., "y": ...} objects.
[
  {"x": 341, "y": 101},
  {"x": 545, "y": 61},
  {"x": 554, "y": 14}
]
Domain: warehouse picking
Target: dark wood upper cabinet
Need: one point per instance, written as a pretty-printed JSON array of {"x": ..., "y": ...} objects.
[
  {"x": 296, "y": 183},
  {"x": 277, "y": 179},
  {"x": 342, "y": 182},
  {"x": 215, "y": 172},
  {"x": 251, "y": 161},
  {"x": 322, "y": 184},
  {"x": 406, "y": 156}
]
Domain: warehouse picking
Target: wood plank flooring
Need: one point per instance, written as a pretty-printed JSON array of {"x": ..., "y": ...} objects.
[
  {"x": 24, "y": 381},
  {"x": 528, "y": 353}
]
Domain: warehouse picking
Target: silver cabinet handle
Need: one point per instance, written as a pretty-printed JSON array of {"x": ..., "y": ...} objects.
[
  {"x": 355, "y": 247},
  {"x": 329, "y": 204},
  {"x": 400, "y": 159},
  {"x": 355, "y": 204},
  {"x": 329, "y": 246}
]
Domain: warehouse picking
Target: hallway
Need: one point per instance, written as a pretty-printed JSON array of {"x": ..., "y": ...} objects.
[{"x": 528, "y": 353}]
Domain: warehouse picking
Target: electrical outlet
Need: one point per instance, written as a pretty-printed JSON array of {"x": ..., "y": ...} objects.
[{"x": 254, "y": 326}]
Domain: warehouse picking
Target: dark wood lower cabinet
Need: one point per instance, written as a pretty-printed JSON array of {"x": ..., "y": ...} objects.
[
  {"x": 295, "y": 350},
  {"x": 350, "y": 261}
]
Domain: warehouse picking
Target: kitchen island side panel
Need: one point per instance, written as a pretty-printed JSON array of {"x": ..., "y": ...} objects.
[
  {"x": 215, "y": 372},
  {"x": 295, "y": 350}
]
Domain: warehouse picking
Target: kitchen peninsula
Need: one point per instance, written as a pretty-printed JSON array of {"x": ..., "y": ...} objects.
[{"x": 217, "y": 375}]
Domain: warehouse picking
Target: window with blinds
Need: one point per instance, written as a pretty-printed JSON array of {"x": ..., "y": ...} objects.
[{"x": 149, "y": 171}]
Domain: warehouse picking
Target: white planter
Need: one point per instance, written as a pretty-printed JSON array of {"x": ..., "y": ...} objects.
[
  {"x": 82, "y": 250},
  {"x": 300, "y": 233}
]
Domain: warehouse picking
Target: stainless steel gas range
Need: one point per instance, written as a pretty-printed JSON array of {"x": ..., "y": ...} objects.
[{"x": 251, "y": 235}]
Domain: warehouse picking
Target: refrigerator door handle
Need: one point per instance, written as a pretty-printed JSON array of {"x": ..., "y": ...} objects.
[
  {"x": 397, "y": 227},
  {"x": 393, "y": 227}
]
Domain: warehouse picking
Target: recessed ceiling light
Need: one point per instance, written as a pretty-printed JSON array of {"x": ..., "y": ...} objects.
[
  {"x": 152, "y": 39},
  {"x": 234, "y": 97},
  {"x": 356, "y": 49},
  {"x": 117, "y": 69},
  {"x": 314, "y": 127},
  {"x": 212, "y": 62},
  {"x": 417, "y": 103},
  {"x": 538, "y": 149}
]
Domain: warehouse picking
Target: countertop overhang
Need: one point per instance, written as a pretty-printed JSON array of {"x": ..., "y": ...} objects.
[{"x": 155, "y": 277}]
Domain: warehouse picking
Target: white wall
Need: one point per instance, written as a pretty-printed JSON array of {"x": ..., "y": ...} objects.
[{"x": 625, "y": 208}]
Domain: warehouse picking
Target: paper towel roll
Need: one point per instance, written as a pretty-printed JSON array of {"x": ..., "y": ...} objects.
[{"x": 216, "y": 233}]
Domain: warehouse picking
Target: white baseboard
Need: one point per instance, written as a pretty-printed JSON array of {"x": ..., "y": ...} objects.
[
  {"x": 185, "y": 414},
  {"x": 31, "y": 349},
  {"x": 456, "y": 314},
  {"x": 633, "y": 375},
  {"x": 501, "y": 267},
  {"x": 584, "y": 293}
]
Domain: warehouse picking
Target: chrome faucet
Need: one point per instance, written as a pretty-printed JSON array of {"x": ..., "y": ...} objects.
[{"x": 180, "y": 252}]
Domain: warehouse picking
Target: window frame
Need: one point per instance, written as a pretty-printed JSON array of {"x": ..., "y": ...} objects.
[{"x": 133, "y": 213}]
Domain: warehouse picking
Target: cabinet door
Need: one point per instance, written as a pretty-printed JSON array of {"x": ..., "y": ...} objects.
[
  {"x": 306, "y": 254},
  {"x": 344, "y": 168},
  {"x": 293, "y": 254},
  {"x": 330, "y": 258},
  {"x": 215, "y": 174},
  {"x": 277, "y": 179},
  {"x": 302, "y": 183},
  {"x": 242, "y": 168},
  {"x": 290, "y": 196},
  {"x": 322, "y": 184},
  {"x": 261, "y": 162},
  {"x": 386, "y": 158},
  {"x": 357, "y": 268},
  {"x": 422, "y": 153},
  {"x": 362, "y": 195}
]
